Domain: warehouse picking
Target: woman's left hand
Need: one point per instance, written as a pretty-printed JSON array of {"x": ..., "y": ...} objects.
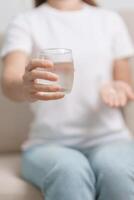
[{"x": 117, "y": 93}]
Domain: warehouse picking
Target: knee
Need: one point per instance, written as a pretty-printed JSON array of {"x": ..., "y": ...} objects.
[
  {"x": 72, "y": 174},
  {"x": 69, "y": 167},
  {"x": 111, "y": 170},
  {"x": 74, "y": 169}
]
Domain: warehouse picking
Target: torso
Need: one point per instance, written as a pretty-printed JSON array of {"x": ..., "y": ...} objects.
[{"x": 80, "y": 118}]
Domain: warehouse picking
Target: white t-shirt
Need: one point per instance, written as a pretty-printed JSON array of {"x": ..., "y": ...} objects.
[{"x": 97, "y": 37}]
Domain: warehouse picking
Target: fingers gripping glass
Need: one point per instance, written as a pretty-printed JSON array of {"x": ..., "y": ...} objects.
[{"x": 63, "y": 67}]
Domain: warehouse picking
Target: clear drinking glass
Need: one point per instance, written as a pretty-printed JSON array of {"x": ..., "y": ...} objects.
[{"x": 63, "y": 67}]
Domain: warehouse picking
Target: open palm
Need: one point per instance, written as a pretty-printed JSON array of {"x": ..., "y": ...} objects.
[{"x": 117, "y": 93}]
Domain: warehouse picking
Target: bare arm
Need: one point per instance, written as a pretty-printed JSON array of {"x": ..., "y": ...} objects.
[
  {"x": 13, "y": 71},
  {"x": 19, "y": 79},
  {"x": 122, "y": 72}
]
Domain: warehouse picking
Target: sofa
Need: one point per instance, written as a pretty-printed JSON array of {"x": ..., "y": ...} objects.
[{"x": 15, "y": 119}]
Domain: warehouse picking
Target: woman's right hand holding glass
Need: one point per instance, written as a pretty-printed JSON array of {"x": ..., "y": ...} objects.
[{"x": 33, "y": 90}]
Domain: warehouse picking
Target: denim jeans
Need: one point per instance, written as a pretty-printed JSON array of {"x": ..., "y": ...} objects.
[{"x": 104, "y": 172}]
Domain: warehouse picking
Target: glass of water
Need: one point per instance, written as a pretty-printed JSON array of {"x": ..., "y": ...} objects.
[{"x": 63, "y": 67}]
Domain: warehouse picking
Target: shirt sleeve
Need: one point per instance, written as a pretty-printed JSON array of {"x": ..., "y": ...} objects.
[
  {"x": 17, "y": 37},
  {"x": 121, "y": 40}
]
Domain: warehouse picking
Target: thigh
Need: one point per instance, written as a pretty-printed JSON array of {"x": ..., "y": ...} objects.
[
  {"x": 42, "y": 162},
  {"x": 115, "y": 157},
  {"x": 113, "y": 166}
]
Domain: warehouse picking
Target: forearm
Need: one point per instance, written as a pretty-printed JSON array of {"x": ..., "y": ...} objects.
[
  {"x": 122, "y": 71},
  {"x": 12, "y": 75}
]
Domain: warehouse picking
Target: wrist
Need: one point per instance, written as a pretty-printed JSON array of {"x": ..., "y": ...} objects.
[{"x": 123, "y": 83}]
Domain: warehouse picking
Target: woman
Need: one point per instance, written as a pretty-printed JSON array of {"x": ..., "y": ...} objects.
[{"x": 79, "y": 146}]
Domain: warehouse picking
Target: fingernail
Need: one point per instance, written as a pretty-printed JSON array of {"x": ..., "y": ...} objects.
[{"x": 56, "y": 77}]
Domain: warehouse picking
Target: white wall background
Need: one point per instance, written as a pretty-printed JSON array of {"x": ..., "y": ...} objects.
[
  {"x": 117, "y": 4},
  {"x": 9, "y": 8}
]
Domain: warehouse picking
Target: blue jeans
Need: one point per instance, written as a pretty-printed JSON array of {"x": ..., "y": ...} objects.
[{"x": 105, "y": 172}]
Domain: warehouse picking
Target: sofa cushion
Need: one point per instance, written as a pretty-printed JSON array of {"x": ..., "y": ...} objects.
[
  {"x": 14, "y": 121},
  {"x": 128, "y": 15},
  {"x": 12, "y": 187}
]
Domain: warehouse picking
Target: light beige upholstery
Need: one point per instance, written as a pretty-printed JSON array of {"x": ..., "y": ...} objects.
[
  {"x": 12, "y": 187},
  {"x": 15, "y": 119},
  {"x": 129, "y": 110},
  {"x": 14, "y": 122},
  {"x": 14, "y": 125}
]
